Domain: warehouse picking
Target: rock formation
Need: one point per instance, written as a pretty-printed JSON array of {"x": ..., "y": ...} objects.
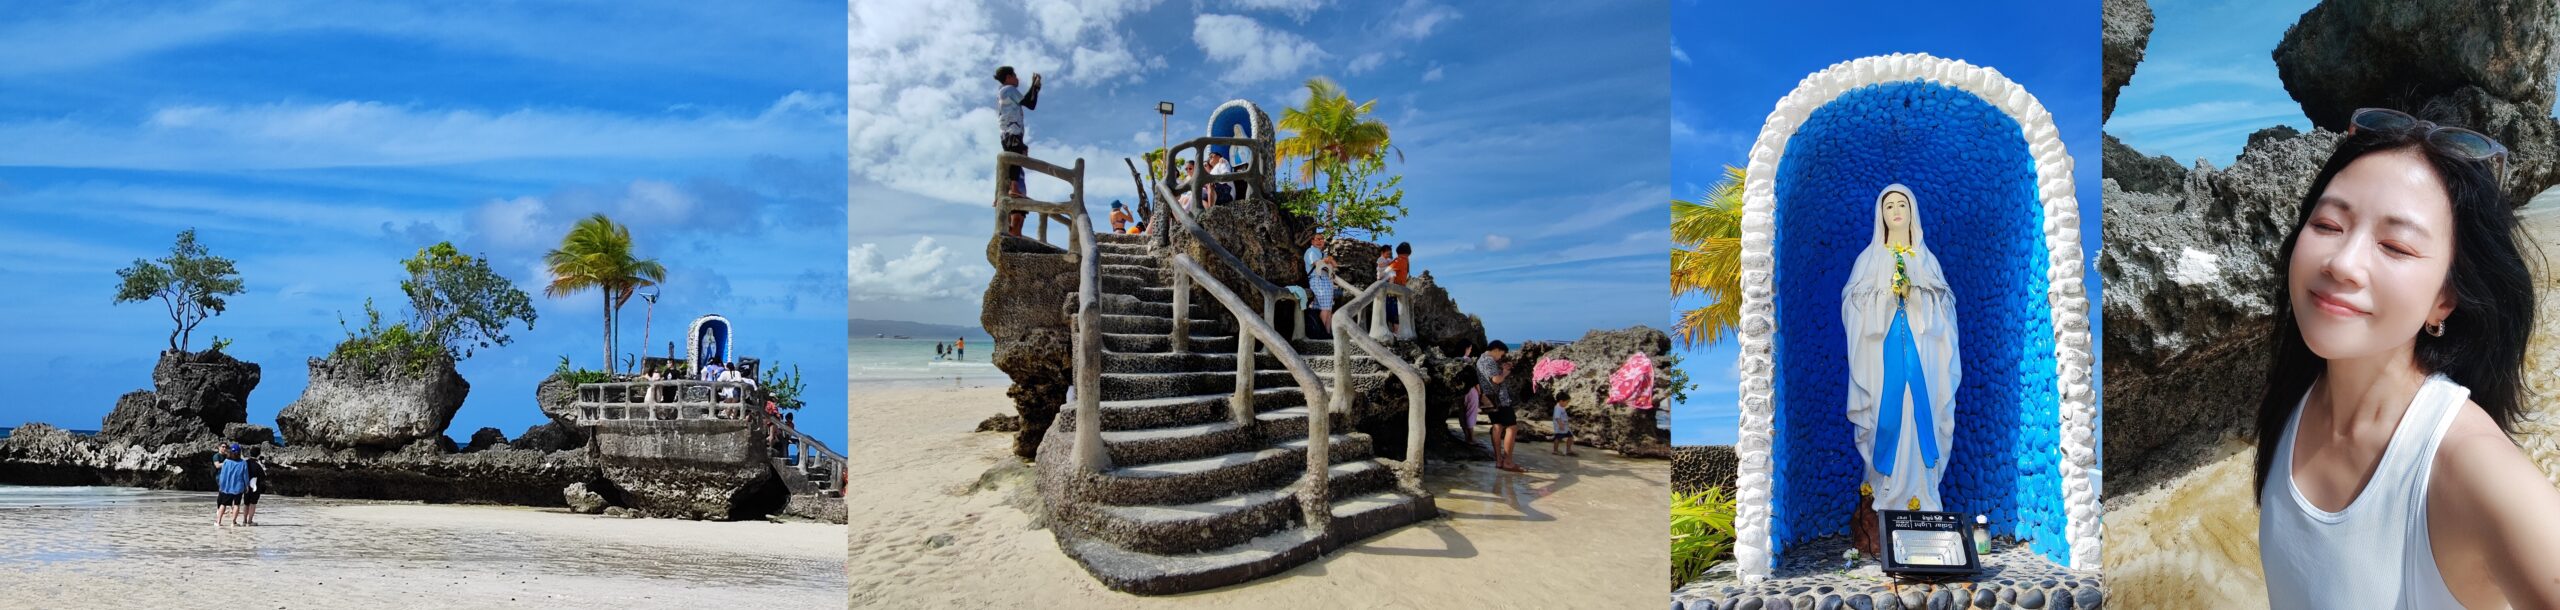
[
  {"x": 2120, "y": 43},
  {"x": 1694, "y": 469},
  {"x": 2190, "y": 267},
  {"x": 1597, "y": 423},
  {"x": 195, "y": 395},
  {"x": 1025, "y": 310},
  {"x": 344, "y": 408},
  {"x": 485, "y": 439},
  {"x": 553, "y": 396}
]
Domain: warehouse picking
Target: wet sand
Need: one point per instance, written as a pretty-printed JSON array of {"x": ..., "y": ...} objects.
[
  {"x": 940, "y": 520},
  {"x": 2191, "y": 541},
  {"x": 162, "y": 551}
]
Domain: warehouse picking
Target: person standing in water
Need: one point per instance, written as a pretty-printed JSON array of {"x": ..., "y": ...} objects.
[
  {"x": 2386, "y": 473},
  {"x": 960, "y": 348},
  {"x": 257, "y": 470},
  {"x": 229, "y": 481}
]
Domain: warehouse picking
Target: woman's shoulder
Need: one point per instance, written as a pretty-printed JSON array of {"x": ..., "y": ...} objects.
[{"x": 2479, "y": 468}]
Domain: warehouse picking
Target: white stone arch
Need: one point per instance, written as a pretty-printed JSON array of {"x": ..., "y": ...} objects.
[{"x": 2063, "y": 292}]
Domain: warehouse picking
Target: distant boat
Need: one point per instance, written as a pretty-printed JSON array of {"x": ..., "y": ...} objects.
[{"x": 902, "y": 337}]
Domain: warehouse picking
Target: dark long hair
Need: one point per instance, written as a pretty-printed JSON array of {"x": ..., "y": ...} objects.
[{"x": 2484, "y": 340}]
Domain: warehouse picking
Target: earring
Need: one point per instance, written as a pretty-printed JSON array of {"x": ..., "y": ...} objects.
[{"x": 2436, "y": 330}]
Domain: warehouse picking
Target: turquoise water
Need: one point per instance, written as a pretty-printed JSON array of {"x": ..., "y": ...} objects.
[{"x": 911, "y": 362}]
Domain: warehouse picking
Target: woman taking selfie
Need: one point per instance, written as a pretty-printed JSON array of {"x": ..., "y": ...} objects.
[{"x": 2385, "y": 475}]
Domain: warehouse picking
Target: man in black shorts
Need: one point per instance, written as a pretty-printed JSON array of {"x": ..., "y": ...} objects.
[
  {"x": 1010, "y": 102},
  {"x": 257, "y": 484},
  {"x": 1493, "y": 370}
]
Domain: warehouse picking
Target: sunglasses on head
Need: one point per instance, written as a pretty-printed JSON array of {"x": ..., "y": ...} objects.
[{"x": 2462, "y": 143}]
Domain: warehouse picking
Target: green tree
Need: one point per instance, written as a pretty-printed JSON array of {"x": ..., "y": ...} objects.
[
  {"x": 1330, "y": 135},
  {"x": 596, "y": 254},
  {"x": 190, "y": 282},
  {"x": 459, "y": 303},
  {"x": 1355, "y": 199},
  {"x": 1707, "y": 260}
]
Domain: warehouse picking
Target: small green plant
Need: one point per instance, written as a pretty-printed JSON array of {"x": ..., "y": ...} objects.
[
  {"x": 576, "y": 376},
  {"x": 1679, "y": 380},
  {"x": 784, "y": 387},
  {"x": 220, "y": 343},
  {"x": 381, "y": 352},
  {"x": 1701, "y": 532}
]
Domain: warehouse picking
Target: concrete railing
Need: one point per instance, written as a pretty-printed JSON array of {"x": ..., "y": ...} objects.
[
  {"x": 1347, "y": 331},
  {"x": 1088, "y": 337},
  {"x": 817, "y": 463},
  {"x": 1070, "y": 212},
  {"x": 667, "y": 400},
  {"x": 1316, "y": 504},
  {"x": 1248, "y": 176}
]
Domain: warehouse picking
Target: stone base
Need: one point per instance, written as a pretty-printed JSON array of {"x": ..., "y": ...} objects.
[{"x": 1815, "y": 577}]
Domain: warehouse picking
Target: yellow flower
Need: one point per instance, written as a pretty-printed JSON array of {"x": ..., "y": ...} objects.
[
  {"x": 1915, "y": 503},
  {"x": 1901, "y": 280},
  {"x": 1865, "y": 489}
]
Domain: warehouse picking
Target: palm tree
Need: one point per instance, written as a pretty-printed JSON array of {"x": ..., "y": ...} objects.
[
  {"x": 1328, "y": 132},
  {"x": 1708, "y": 260},
  {"x": 597, "y": 254}
]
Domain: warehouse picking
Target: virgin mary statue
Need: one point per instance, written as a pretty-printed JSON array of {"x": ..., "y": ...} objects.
[{"x": 1901, "y": 322}]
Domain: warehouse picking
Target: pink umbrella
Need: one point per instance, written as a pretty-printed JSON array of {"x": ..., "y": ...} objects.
[
  {"x": 1632, "y": 385},
  {"x": 1548, "y": 368}
]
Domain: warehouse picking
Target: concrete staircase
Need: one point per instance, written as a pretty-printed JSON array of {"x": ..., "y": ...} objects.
[{"x": 1192, "y": 499}]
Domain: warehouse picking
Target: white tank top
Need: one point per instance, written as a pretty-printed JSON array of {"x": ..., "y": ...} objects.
[{"x": 2374, "y": 553}]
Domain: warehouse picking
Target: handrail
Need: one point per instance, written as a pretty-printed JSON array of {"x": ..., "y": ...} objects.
[
  {"x": 1316, "y": 505},
  {"x": 1089, "y": 454},
  {"x": 1410, "y": 472},
  {"x": 618, "y": 400},
  {"x": 1065, "y": 212},
  {"x": 1252, "y": 174},
  {"x": 811, "y": 449},
  {"x": 1271, "y": 293}
]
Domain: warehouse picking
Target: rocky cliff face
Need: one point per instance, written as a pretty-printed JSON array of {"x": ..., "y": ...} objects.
[
  {"x": 1597, "y": 423},
  {"x": 347, "y": 409},
  {"x": 1025, "y": 310},
  {"x": 2189, "y": 261},
  {"x": 195, "y": 395},
  {"x": 2126, "y": 31}
]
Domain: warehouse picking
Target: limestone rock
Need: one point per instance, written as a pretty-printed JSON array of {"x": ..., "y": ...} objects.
[
  {"x": 1694, "y": 469},
  {"x": 1596, "y": 423},
  {"x": 582, "y": 501},
  {"x": 1042, "y": 364},
  {"x": 484, "y": 439},
  {"x": 249, "y": 434},
  {"x": 2190, "y": 278},
  {"x": 1268, "y": 240},
  {"x": 1439, "y": 323},
  {"x": 343, "y": 409},
  {"x": 2532, "y": 137},
  {"x": 195, "y": 395},
  {"x": 2348, "y": 54},
  {"x": 2136, "y": 173},
  {"x": 548, "y": 437},
  {"x": 2126, "y": 29}
]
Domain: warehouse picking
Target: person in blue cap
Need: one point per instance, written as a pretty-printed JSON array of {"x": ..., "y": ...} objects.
[
  {"x": 1119, "y": 217},
  {"x": 229, "y": 481}
]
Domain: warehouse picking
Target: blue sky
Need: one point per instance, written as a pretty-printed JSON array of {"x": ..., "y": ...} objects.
[
  {"x": 320, "y": 143},
  {"x": 1533, "y": 154},
  {"x": 2207, "y": 80},
  {"x": 1732, "y": 62}
]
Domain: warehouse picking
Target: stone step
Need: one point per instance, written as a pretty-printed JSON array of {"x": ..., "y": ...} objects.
[
  {"x": 1134, "y": 324},
  {"x": 1119, "y": 239},
  {"x": 1165, "y": 362},
  {"x": 1201, "y": 309},
  {"x": 1358, "y": 517},
  {"x": 1144, "y": 272},
  {"x": 1145, "y": 573},
  {"x": 1174, "y": 443},
  {"x": 1148, "y": 261},
  {"x": 1136, "y": 343},
  {"x": 1231, "y": 519},
  {"x": 1204, "y": 479},
  {"x": 1132, "y": 386},
  {"x": 1128, "y": 283},
  {"x": 1290, "y": 422},
  {"x": 1181, "y": 410}
]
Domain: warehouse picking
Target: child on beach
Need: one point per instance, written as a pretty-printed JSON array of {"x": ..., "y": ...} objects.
[
  {"x": 1563, "y": 437},
  {"x": 229, "y": 480},
  {"x": 257, "y": 470}
]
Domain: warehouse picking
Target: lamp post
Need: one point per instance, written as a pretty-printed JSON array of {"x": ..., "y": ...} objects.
[
  {"x": 1165, "y": 134},
  {"x": 647, "y": 314}
]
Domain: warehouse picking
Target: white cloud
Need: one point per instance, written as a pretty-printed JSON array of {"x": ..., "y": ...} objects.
[
  {"x": 920, "y": 275},
  {"x": 360, "y": 133},
  {"x": 1677, "y": 54},
  {"x": 1496, "y": 243},
  {"x": 1296, "y": 9},
  {"x": 1251, "y": 52},
  {"x": 1433, "y": 74},
  {"x": 1418, "y": 18},
  {"x": 1365, "y": 62}
]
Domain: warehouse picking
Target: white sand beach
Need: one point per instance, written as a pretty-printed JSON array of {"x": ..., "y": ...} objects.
[
  {"x": 932, "y": 527},
  {"x": 162, "y": 551}
]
